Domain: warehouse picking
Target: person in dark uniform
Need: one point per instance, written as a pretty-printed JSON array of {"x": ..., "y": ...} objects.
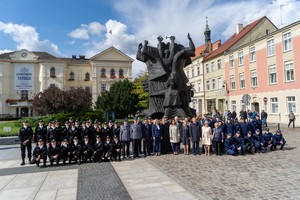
[
  {"x": 76, "y": 151},
  {"x": 72, "y": 133},
  {"x": 136, "y": 132},
  {"x": 146, "y": 138},
  {"x": 65, "y": 151},
  {"x": 116, "y": 129},
  {"x": 54, "y": 152},
  {"x": 52, "y": 133},
  {"x": 87, "y": 150},
  {"x": 58, "y": 132},
  {"x": 40, "y": 132},
  {"x": 229, "y": 145},
  {"x": 125, "y": 138},
  {"x": 258, "y": 141},
  {"x": 98, "y": 149},
  {"x": 195, "y": 134},
  {"x": 105, "y": 131},
  {"x": 277, "y": 139},
  {"x": 249, "y": 143},
  {"x": 108, "y": 149},
  {"x": 40, "y": 152},
  {"x": 25, "y": 137},
  {"x": 267, "y": 138},
  {"x": 83, "y": 130},
  {"x": 117, "y": 148},
  {"x": 239, "y": 144},
  {"x": 65, "y": 131}
]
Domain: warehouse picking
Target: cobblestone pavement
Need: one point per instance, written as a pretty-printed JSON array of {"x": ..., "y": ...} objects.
[{"x": 272, "y": 175}]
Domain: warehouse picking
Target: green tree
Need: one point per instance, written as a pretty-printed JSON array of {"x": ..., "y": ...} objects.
[
  {"x": 138, "y": 89},
  {"x": 119, "y": 98}
]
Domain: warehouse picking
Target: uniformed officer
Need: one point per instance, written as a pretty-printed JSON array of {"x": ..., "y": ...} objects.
[
  {"x": 52, "y": 133},
  {"x": 249, "y": 142},
  {"x": 65, "y": 151},
  {"x": 76, "y": 151},
  {"x": 125, "y": 138},
  {"x": 267, "y": 138},
  {"x": 87, "y": 150},
  {"x": 58, "y": 132},
  {"x": 40, "y": 152},
  {"x": 25, "y": 137},
  {"x": 117, "y": 148},
  {"x": 65, "y": 131},
  {"x": 40, "y": 132},
  {"x": 54, "y": 152},
  {"x": 239, "y": 143},
  {"x": 98, "y": 149},
  {"x": 229, "y": 145},
  {"x": 277, "y": 140},
  {"x": 72, "y": 133},
  {"x": 258, "y": 141},
  {"x": 136, "y": 132},
  {"x": 108, "y": 149}
]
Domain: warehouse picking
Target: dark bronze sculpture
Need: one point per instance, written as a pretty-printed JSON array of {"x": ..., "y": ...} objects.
[{"x": 169, "y": 94}]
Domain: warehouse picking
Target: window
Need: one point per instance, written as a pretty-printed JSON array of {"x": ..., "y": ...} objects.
[
  {"x": 242, "y": 81},
  {"x": 271, "y": 47},
  {"x": 231, "y": 61},
  {"x": 232, "y": 83},
  {"x": 219, "y": 64},
  {"x": 103, "y": 87},
  {"x": 207, "y": 85},
  {"x": 52, "y": 72},
  {"x": 252, "y": 54},
  {"x": 188, "y": 73},
  {"x": 287, "y": 41},
  {"x": 198, "y": 71},
  {"x": 112, "y": 73},
  {"x": 71, "y": 78},
  {"x": 207, "y": 68},
  {"x": 192, "y": 73},
  {"x": 291, "y": 104},
  {"x": 87, "y": 76},
  {"x": 233, "y": 105},
  {"x": 212, "y": 66},
  {"x": 213, "y": 81},
  {"x": 272, "y": 75},
  {"x": 199, "y": 86},
  {"x": 241, "y": 58},
  {"x": 220, "y": 83},
  {"x": 289, "y": 71},
  {"x": 121, "y": 73},
  {"x": 253, "y": 79},
  {"x": 274, "y": 105},
  {"x": 103, "y": 72},
  {"x": 24, "y": 94}
]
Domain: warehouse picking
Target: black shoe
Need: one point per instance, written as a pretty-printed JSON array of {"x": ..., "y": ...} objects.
[
  {"x": 22, "y": 163},
  {"x": 79, "y": 163},
  {"x": 29, "y": 161},
  {"x": 43, "y": 166},
  {"x": 51, "y": 163},
  {"x": 37, "y": 164}
]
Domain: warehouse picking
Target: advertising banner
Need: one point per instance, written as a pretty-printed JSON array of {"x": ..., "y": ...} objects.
[{"x": 24, "y": 76}]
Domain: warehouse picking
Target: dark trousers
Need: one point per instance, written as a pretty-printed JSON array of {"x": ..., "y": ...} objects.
[
  {"x": 218, "y": 147},
  {"x": 136, "y": 143},
  {"x": 125, "y": 144},
  {"x": 23, "y": 149},
  {"x": 157, "y": 145},
  {"x": 195, "y": 147},
  {"x": 37, "y": 162},
  {"x": 174, "y": 147},
  {"x": 292, "y": 121},
  {"x": 146, "y": 147}
]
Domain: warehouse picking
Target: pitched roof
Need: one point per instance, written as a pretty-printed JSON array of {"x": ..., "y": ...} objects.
[
  {"x": 199, "y": 50},
  {"x": 233, "y": 39},
  {"x": 41, "y": 55},
  {"x": 112, "y": 48}
]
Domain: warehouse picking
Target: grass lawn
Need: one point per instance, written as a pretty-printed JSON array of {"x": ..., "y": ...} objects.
[{"x": 13, "y": 132}]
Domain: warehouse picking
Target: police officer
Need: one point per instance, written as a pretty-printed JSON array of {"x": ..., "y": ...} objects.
[
  {"x": 40, "y": 132},
  {"x": 76, "y": 151},
  {"x": 98, "y": 150},
  {"x": 72, "y": 133},
  {"x": 65, "y": 151},
  {"x": 52, "y": 133},
  {"x": 136, "y": 135},
  {"x": 278, "y": 140},
  {"x": 125, "y": 138},
  {"x": 25, "y": 137},
  {"x": 249, "y": 142},
  {"x": 258, "y": 141},
  {"x": 108, "y": 149},
  {"x": 229, "y": 145},
  {"x": 40, "y": 152},
  {"x": 239, "y": 143},
  {"x": 65, "y": 131},
  {"x": 267, "y": 136},
  {"x": 87, "y": 150},
  {"x": 54, "y": 152},
  {"x": 117, "y": 148}
]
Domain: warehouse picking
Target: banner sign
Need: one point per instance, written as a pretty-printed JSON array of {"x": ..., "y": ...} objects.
[{"x": 24, "y": 76}]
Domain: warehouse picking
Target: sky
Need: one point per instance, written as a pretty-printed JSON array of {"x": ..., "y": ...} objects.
[{"x": 82, "y": 27}]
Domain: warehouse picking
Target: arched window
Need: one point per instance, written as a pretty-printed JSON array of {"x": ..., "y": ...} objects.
[
  {"x": 87, "y": 76},
  {"x": 71, "y": 76},
  {"x": 121, "y": 73},
  {"x": 112, "y": 73},
  {"x": 52, "y": 72},
  {"x": 103, "y": 72}
]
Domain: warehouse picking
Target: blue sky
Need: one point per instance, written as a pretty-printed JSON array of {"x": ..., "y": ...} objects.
[{"x": 68, "y": 27}]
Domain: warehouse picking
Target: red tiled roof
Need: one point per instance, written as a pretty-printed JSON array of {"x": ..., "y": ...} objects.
[
  {"x": 232, "y": 40},
  {"x": 199, "y": 50}
]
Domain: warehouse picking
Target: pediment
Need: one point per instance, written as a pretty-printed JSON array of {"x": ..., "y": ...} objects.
[
  {"x": 111, "y": 54},
  {"x": 23, "y": 55}
]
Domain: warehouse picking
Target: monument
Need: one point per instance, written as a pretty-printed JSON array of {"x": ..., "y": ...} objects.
[{"x": 169, "y": 93}]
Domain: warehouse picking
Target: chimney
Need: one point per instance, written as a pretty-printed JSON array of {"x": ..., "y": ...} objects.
[{"x": 239, "y": 28}]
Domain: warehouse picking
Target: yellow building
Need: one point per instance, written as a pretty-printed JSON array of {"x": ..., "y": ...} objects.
[{"x": 23, "y": 74}]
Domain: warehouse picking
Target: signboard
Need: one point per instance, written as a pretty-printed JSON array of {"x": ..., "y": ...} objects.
[
  {"x": 7, "y": 129},
  {"x": 24, "y": 76},
  {"x": 246, "y": 99}
]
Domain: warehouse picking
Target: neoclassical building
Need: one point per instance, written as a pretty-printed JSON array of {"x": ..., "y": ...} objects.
[{"x": 25, "y": 73}]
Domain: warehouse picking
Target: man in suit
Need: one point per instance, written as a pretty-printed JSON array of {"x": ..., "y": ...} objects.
[{"x": 25, "y": 137}]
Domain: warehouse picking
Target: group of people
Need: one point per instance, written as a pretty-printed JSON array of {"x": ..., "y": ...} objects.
[{"x": 96, "y": 142}]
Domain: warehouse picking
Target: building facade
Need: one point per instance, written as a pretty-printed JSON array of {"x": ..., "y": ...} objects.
[{"x": 23, "y": 74}]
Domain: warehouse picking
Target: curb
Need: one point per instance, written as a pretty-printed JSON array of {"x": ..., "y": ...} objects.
[{"x": 9, "y": 140}]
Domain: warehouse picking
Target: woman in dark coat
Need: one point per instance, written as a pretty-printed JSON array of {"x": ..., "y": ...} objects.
[
  {"x": 185, "y": 134},
  {"x": 165, "y": 143}
]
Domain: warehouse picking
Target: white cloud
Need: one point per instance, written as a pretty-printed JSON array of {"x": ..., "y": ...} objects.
[
  {"x": 85, "y": 30},
  {"x": 5, "y": 51},
  {"x": 27, "y": 37}
]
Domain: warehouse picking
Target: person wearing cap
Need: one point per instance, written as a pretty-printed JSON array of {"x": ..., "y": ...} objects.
[
  {"x": 230, "y": 148},
  {"x": 258, "y": 141},
  {"x": 243, "y": 127},
  {"x": 54, "y": 152},
  {"x": 267, "y": 138},
  {"x": 136, "y": 133},
  {"x": 229, "y": 126},
  {"x": 258, "y": 123},
  {"x": 218, "y": 138},
  {"x": 117, "y": 149},
  {"x": 98, "y": 150},
  {"x": 146, "y": 138},
  {"x": 65, "y": 131},
  {"x": 206, "y": 137},
  {"x": 106, "y": 131},
  {"x": 277, "y": 139},
  {"x": 40, "y": 132},
  {"x": 72, "y": 133},
  {"x": 249, "y": 143},
  {"x": 83, "y": 130},
  {"x": 292, "y": 119},
  {"x": 238, "y": 142},
  {"x": 65, "y": 151},
  {"x": 40, "y": 152},
  {"x": 52, "y": 133},
  {"x": 76, "y": 150},
  {"x": 108, "y": 149},
  {"x": 25, "y": 138},
  {"x": 87, "y": 150},
  {"x": 116, "y": 129},
  {"x": 71, "y": 120},
  {"x": 125, "y": 138},
  {"x": 252, "y": 125},
  {"x": 157, "y": 137},
  {"x": 58, "y": 132}
]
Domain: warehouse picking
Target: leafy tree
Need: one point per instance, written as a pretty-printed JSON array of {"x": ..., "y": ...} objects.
[
  {"x": 119, "y": 99},
  {"x": 138, "y": 89}
]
